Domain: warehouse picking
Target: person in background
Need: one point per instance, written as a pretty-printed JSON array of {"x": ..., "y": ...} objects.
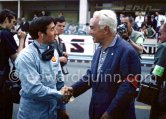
[
  {"x": 61, "y": 15},
  {"x": 8, "y": 50},
  {"x": 159, "y": 17},
  {"x": 24, "y": 26},
  {"x": 158, "y": 109},
  {"x": 150, "y": 23},
  {"x": 34, "y": 16},
  {"x": 153, "y": 22},
  {"x": 86, "y": 28},
  {"x": 43, "y": 13},
  {"x": 39, "y": 71},
  {"x": 121, "y": 15},
  {"x": 61, "y": 48},
  {"x": 143, "y": 29},
  {"x": 161, "y": 23},
  {"x": 72, "y": 29},
  {"x": 151, "y": 31},
  {"x": 139, "y": 19},
  {"x": 113, "y": 72},
  {"x": 135, "y": 38}
]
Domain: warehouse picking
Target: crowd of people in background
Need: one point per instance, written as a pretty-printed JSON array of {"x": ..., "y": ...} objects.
[{"x": 147, "y": 24}]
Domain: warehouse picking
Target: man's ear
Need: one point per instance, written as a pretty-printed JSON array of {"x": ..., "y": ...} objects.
[
  {"x": 106, "y": 29},
  {"x": 40, "y": 34}
]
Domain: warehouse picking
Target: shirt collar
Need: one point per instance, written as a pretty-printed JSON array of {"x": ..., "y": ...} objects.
[
  {"x": 132, "y": 33},
  {"x": 41, "y": 45},
  {"x": 113, "y": 42}
]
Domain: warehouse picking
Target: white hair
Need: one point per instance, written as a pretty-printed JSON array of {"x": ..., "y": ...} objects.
[{"x": 107, "y": 18}]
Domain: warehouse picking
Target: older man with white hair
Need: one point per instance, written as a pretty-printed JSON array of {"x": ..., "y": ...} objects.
[{"x": 113, "y": 73}]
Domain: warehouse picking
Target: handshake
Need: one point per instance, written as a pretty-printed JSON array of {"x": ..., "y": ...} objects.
[{"x": 67, "y": 94}]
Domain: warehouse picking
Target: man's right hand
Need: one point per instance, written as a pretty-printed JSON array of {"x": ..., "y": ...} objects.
[
  {"x": 21, "y": 35},
  {"x": 67, "y": 93}
]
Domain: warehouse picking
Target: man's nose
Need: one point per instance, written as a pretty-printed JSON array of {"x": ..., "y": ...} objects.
[
  {"x": 90, "y": 32},
  {"x": 56, "y": 32}
]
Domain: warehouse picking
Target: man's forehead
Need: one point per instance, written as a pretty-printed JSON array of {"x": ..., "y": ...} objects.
[
  {"x": 93, "y": 21},
  {"x": 61, "y": 22},
  {"x": 124, "y": 19},
  {"x": 51, "y": 25}
]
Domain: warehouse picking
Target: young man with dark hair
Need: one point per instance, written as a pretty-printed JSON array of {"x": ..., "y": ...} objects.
[
  {"x": 61, "y": 48},
  {"x": 8, "y": 49},
  {"x": 40, "y": 74}
]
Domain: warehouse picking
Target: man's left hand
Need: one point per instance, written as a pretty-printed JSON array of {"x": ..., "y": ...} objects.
[{"x": 63, "y": 59}]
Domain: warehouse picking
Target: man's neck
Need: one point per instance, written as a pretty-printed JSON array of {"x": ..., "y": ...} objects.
[{"x": 108, "y": 41}]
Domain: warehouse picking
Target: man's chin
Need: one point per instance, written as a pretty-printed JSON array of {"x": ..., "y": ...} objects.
[{"x": 94, "y": 40}]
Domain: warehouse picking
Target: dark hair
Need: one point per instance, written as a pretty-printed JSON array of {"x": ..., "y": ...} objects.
[
  {"x": 39, "y": 25},
  {"x": 143, "y": 24},
  {"x": 6, "y": 13},
  {"x": 59, "y": 19}
]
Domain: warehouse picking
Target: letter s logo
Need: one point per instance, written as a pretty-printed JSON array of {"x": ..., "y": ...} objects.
[{"x": 77, "y": 47}]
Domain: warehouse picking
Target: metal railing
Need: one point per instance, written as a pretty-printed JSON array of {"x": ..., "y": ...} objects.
[{"x": 145, "y": 60}]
